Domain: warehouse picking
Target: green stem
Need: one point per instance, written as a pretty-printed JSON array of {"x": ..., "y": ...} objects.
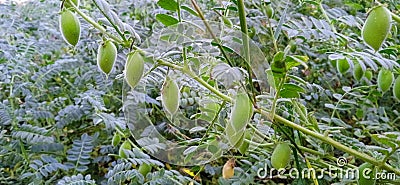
[
  {"x": 395, "y": 17},
  {"x": 390, "y": 154},
  {"x": 332, "y": 142},
  {"x": 23, "y": 151},
  {"x": 198, "y": 79},
  {"x": 11, "y": 99},
  {"x": 243, "y": 28},
  {"x": 273, "y": 109},
  {"x": 321, "y": 8},
  {"x": 313, "y": 176},
  {"x": 300, "y": 112},
  {"x": 259, "y": 144},
  {"x": 341, "y": 98},
  {"x": 259, "y": 132},
  {"x": 179, "y": 11},
  {"x": 213, "y": 122},
  {"x": 246, "y": 45},
  {"x": 272, "y": 35}
]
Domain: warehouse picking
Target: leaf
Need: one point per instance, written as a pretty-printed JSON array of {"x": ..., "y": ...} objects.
[
  {"x": 190, "y": 10},
  {"x": 189, "y": 150},
  {"x": 167, "y": 20},
  {"x": 197, "y": 129},
  {"x": 293, "y": 61},
  {"x": 226, "y": 74},
  {"x": 293, "y": 87},
  {"x": 285, "y": 93},
  {"x": 341, "y": 123},
  {"x": 281, "y": 21},
  {"x": 79, "y": 155},
  {"x": 335, "y": 56},
  {"x": 168, "y": 4},
  {"x": 385, "y": 140}
]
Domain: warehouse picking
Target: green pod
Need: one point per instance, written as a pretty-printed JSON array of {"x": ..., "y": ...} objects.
[
  {"x": 116, "y": 139},
  {"x": 227, "y": 22},
  {"x": 170, "y": 95},
  {"x": 281, "y": 156},
  {"x": 134, "y": 68},
  {"x": 241, "y": 113},
  {"x": 358, "y": 72},
  {"x": 342, "y": 65},
  {"x": 270, "y": 11},
  {"x": 244, "y": 145},
  {"x": 125, "y": 146},
  {"x": 70, "y": 27},
  {"x": 396, "y": 88},
  {"x": 234, "y": 137},
  {"x": 385, "y": 79},
  {"x": 376, "y": 27},
  {"x": 368, "y": 74},
  {"x": 366, "y": 174},
  {"x": 106, "y": 56},
  {"x": 144, "y": 169}
]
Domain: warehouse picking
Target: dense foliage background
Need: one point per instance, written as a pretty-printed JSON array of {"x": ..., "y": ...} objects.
[{"x": 59, "y": 113}]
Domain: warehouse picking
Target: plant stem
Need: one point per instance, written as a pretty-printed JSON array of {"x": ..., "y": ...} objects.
[
  {"x": 278, "y": 90},
  {"x": 198, "y": 79},
  {"x": 272, "y": 35},
  {"x": 179, "y": 11},
  {"x": 346, "y": 93},
  {"x": 243, "y": 28},
  {"x": 332, "y": 142},
  {"x": 213, "y": 122},
  {"x": 395, "y": 17},
  {"x": 322, "y": 9},
  {"x": 313, "y": 176},
  {"x": 246, "y": 45}
]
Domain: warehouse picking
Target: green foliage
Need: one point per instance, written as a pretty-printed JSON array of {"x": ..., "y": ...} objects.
[
  {"x": 42, "y": 168},
  {"x": 78, "y": 156}
]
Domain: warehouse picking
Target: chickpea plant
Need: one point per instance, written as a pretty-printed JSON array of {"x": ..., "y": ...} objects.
[{"x": 244, "y": 101}]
